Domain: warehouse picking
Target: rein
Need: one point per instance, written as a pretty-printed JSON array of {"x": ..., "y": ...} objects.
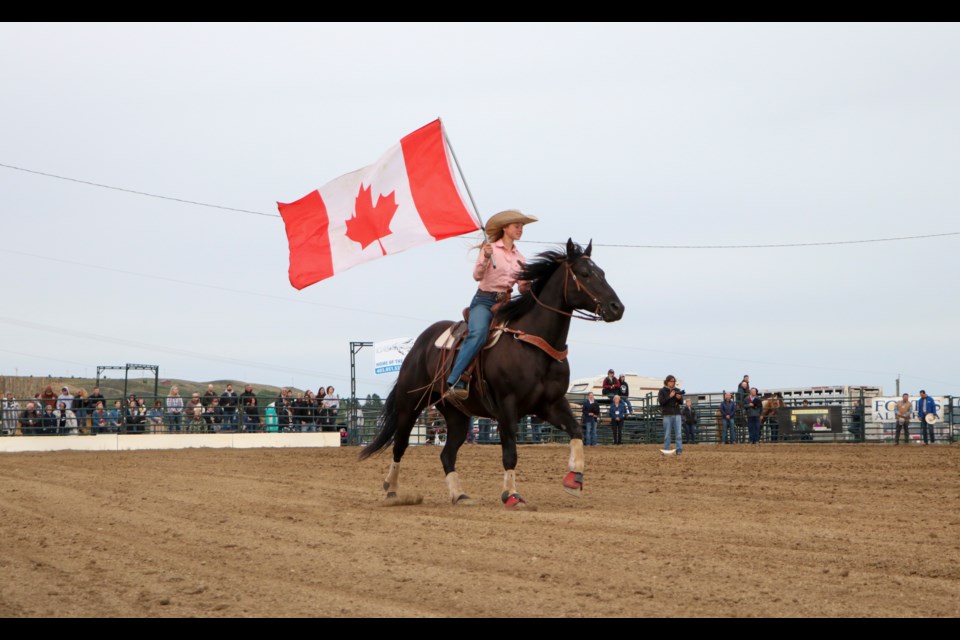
[{"x": 595, "y": 316}]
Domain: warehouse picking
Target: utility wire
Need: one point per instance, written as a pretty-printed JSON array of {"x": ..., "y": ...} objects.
[
  {"x": 770, "y": 246},
  {"x": 597, "y": 244},
  {"x": 245, "y": 292},
  {"x": 139, "y": 193}
]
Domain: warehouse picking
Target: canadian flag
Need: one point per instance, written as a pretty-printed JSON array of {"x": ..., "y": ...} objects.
[{"x": 406, "y": 198}]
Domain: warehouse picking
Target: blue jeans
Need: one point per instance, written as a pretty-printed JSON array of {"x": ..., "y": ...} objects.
[
  {"x": 480, "y": 317},
  {"x": 173, "y": 422},
  {"x": 590, "y": 433},
  {"x": 229, "y": 421},
  {"x": 672, "y": 423},
  {"x": 729, "y": 431},
  {"x": 753, "y": 429},
  {"x": 250, "y": 423}
]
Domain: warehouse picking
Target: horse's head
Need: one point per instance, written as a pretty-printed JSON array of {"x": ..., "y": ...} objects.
[
  {"x": 586, "y": 286},
  {"x": 564, "y": 282}
]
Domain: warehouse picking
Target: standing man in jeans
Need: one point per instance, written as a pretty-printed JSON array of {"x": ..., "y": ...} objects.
[
  {"x": 926, "y": 406},
  {"x": 728, "y": 409},
  {"x": 228, "y": 405},
  {"x": 904, "y": 409},
  {"x": 670, "y": 400},
  {"x": 591, "y": 413}
]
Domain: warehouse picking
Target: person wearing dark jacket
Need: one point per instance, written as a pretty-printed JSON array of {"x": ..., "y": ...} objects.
[
  {"x": 591, "y": 413},
  {"x": 689, "y": 418},
  {"x": 283, "y": 405},
  {"x": 213, "y": 416},
  {"x": 96, "y": 397},
  {"x": 669, "y": 400},
  {"x": 743, "y": 391},
  {"x": 228, "y": 405},
  {"x": 31, "y": 420},
  {"x": 48, "y": 421},
  {"x": 251, "y": 416},
  {"x": 926, "y": 406},
  {"x": 625, "y": 392},
  {"x": 754, "y": 404},
  {"x": 728, "y": 409},
  {"x": 856, "y": 420}
]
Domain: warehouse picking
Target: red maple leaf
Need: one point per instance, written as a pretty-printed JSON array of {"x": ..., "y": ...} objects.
[{"x": 370, "y": 223}]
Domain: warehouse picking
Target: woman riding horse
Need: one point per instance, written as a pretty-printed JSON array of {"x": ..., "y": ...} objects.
[
  {"x": 496, "y": 272},
  {"x": 525, "y": 372}
]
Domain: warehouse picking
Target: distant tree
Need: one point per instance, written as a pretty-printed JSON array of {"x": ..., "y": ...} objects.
[{"x": 373, "y": 404}]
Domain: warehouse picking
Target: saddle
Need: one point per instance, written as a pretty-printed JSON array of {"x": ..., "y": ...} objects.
[
  {"x": 454, "y": 335},
  {"x": 451, "y": 339}
]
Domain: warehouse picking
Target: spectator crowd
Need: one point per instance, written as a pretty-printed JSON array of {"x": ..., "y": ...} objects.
[{"x": 211, "y": 411}]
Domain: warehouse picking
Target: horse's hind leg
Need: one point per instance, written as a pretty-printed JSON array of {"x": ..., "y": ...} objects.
[
  {"x": 392, "y": 483},
  {"x": 457, "y": 425},
  {"x": 405, "y": 416}
]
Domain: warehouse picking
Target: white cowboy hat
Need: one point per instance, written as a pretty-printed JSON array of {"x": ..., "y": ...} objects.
[
  {"x": 497, "y": 222},
  {"x": 930, "y": 418}
]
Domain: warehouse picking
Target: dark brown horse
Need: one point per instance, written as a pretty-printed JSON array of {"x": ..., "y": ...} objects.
[{"x": 516, "y": 376}]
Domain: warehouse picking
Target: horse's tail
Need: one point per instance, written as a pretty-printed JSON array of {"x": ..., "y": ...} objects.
[{"x": 387, "y": 423}]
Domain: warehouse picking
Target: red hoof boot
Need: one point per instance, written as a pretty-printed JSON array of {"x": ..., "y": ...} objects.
[
  {"x": 573, "y": 483},
  {"x": 512, "y": 500}
]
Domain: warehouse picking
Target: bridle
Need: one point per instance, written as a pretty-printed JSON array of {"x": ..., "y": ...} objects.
[{"x": 595, "y": 316}]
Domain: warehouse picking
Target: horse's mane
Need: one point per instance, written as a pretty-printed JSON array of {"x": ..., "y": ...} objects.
[{"x": 537, "y": 271}]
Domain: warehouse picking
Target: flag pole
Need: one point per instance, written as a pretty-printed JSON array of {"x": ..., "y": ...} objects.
[{"x": 476, "y": 210}]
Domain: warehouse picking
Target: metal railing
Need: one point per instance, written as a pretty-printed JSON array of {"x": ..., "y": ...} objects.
[{"x": 643, "y": 425}]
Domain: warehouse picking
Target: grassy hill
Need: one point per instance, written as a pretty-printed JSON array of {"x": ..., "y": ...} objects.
[{"x": 24, "y": 387}]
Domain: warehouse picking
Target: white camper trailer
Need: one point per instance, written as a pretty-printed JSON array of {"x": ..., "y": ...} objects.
[{"x": 640, "y": 386}]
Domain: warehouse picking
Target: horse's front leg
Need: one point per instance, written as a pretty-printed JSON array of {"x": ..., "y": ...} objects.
[
  {"x": 563, "y": 418},
  {"x": 507, "y": 428}
]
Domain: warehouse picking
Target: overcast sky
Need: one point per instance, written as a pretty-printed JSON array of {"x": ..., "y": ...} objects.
[{"x": 631, "y": 135}]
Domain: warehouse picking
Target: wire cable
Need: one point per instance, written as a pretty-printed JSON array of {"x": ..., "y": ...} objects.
[{"x": 598, "y": 244}]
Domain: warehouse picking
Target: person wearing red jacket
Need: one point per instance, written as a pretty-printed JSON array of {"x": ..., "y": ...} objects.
[{"x": 611, "y": 385}]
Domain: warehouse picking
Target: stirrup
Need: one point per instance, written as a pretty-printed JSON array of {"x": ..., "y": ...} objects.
[{"x": 457, "y": 393}]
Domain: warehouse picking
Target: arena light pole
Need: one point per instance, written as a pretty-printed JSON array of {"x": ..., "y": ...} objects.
[{"x": 352, "y": 436}]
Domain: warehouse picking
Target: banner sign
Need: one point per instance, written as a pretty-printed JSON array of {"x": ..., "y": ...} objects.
[
  {"x": 809, "y": 420},
  {"x": 885, "y": 408},
  {"x": 388, "y": 355}
]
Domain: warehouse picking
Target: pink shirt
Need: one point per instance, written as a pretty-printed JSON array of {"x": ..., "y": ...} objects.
[{"x": 503, "y": 277}]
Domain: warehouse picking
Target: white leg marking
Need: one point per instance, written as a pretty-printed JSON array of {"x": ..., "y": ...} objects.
[
  {"x": 453, "y": 486},
  {"x": 392, "y": 483},
  {"x": 510, "y": 481},
  {"x": 576, "y": 456}
]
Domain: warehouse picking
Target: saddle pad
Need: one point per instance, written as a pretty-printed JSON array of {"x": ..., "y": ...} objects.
[{"x": 448, "y": 339}]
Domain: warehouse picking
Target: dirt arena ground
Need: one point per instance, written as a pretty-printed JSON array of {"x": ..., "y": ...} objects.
[{"x": 770, "y": 531}]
